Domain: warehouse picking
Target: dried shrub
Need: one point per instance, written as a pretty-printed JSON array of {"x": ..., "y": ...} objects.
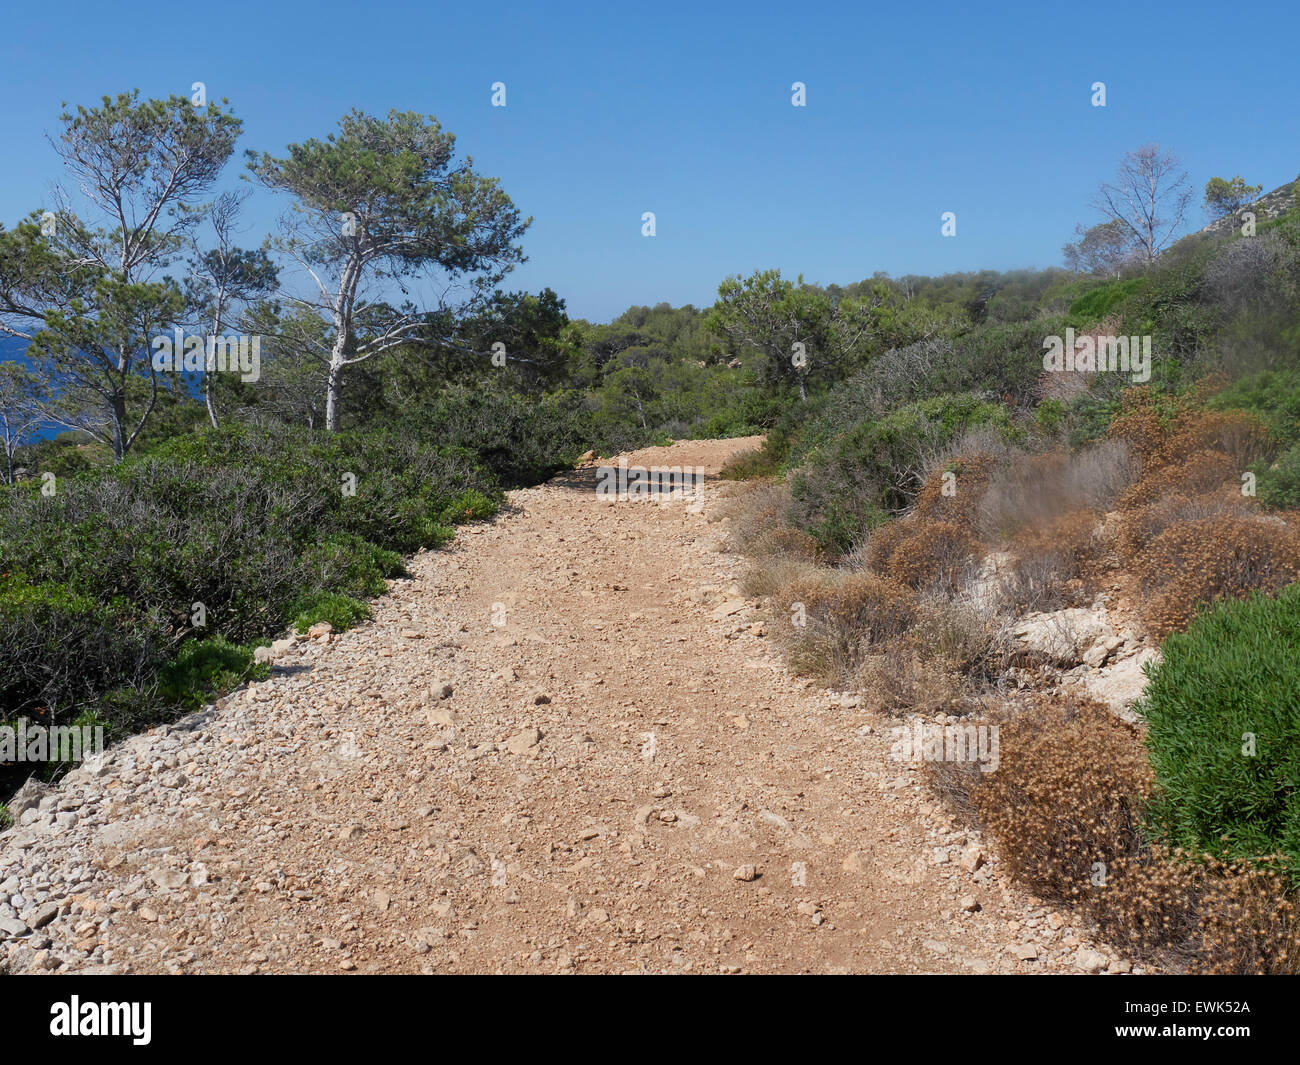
[
  {"x": 1242, "y": 437},
  {"x": 1139, "y": 425},
  {"x": 1070, "y": 545},
  {"x": 1200, "y": 914},
  {"x": 1035, "y": 490},
  {"x": 1023, "y": 493},
  {"x": 749, "y": 464},
  {"x": 1248, "y": 923},
  {"x": 784, "y": 542},
  {"x": 880, "y": 546},
  {"x": 1136, "y": 528},
  {"x": 757, "y": 508},
  {"x": 1163, "y": 430},
  {"x": 1196, "y": 563},
  {"x": 970, "y": 478},
  {"x": 1097, "y": 475},
  {"x": 957, "y": 783},
  {"x": 932, "y": 555},
  {"x": 963, "y": 632},
  {"x": 1145, "y": 905},
  {"x": 770, "y": 576},
  {"x": 1069, "y": 793},
  {"x": 905, "y": 679},
  {"x": 1199, "y": 473},
  {"x": 847, "y": 615}
]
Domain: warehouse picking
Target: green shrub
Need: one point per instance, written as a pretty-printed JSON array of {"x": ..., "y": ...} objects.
[
  {"x": 1050, "y": 417},
  {"x": 1223, "y": 715},
  {"x": 521, "y": 439},
  {"x": 469, "y": 505},
  {"x": 1278, "y": 484},
  {"x": 59, "y": 650},
  {"x": 346, "y": 563},
  {"x": 205, "y": 669},
  {"x": 1274, "y": 395},
  {"x": 756, "y": 462},
  {"x": 1172, "y": 306},
  {"x": 748, "y": 412},
  {"x": 260, "y": 523},
  {"x": 341, "y": 611},
  {"x": 1098, "y": 303}
]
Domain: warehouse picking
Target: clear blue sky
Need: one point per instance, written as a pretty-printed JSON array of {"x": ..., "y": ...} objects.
[{"x": 684, "y": 109}]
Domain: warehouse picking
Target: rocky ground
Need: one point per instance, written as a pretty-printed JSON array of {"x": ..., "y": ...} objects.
[{"x": 565, "y": 744}]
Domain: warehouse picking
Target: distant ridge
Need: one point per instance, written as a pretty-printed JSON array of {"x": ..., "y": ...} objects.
[{"x": 1270, "y": 205}]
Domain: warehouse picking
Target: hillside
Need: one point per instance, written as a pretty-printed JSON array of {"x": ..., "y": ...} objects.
[{"x": 1268, "y": 207}]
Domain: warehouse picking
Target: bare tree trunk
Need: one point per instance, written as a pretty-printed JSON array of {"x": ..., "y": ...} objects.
[
  {"x": 333, "y": 388},
  {"x": 208, "y": 398},
  {"x": 118, "y": 403}
]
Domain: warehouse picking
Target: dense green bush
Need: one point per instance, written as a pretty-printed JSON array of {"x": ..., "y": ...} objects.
[
  {"x": 1278, "y": 483},
  {"x": 341, "y": 611},
  {"x": 1273, "y": 395},
  {"x": 521, "y": 439},
  {"x": 1223, "y": 710},
  {"x": 59, "y": 650},
  {"x": 1096, "y": 304},
  {"x": 351, "y": 565},
  {"x": 139, "y": 587},
  {"x": 204, "y": 667},
  {"x": 748, "y": 412},
  {"x": 243, "y": 520},
  {"x": 1005, "y": 361},
  {"x": 1174, "y": 307}
]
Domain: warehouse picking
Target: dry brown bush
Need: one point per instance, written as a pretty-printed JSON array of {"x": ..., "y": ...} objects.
[
  {"x": 848, "y": 616},
  {"x": 1139, "y": 425},
  {"x": 755, "y": 509},
  {"x": 768, "y": 577},
  {"x": 879, "y": 548},
  {"x": 1195, "y": 563},
  {"x": 1136, "y": 528},
  {"x": 1200, "y": 913},
  {"x": 1199, "y": 473},
  {"x": 1162, "y": 430},
  {"x": 1241, "y": 436},
  {"x": 1248, "y": 923},
  {"x": 906, "y": 679},
  {"x": 964, "y": 632},
  {"x": 785, "y": 542},
  {"x": 748, "y": 464},
  {"x": 1055, "y": 564},
  {"x": 1023, "y": 493},
  {"x": 1071, "y": 540},
  {"x": 1069, "y": 793},
  {"x": 1035, "y": 490},
  {"x": 1033, "y": 584},
  {"x": 971, "y": 474},
  {"x": 933, "y": 555}
]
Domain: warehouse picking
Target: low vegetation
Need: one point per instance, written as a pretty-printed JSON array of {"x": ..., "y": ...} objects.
[{"x": 916, "y": 526}]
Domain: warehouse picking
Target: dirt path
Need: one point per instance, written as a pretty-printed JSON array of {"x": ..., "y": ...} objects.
[{"x": 606, "y": 764}]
